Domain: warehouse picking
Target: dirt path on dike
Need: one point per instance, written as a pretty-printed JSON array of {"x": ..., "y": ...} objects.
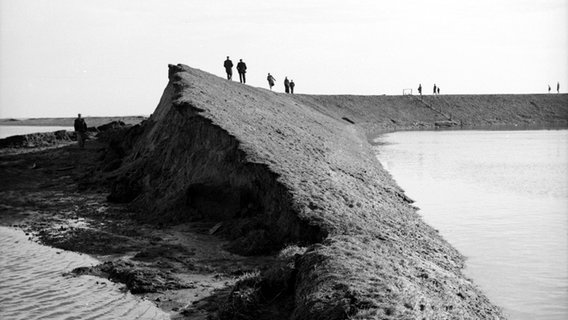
[{"x": 184, "y": 269}]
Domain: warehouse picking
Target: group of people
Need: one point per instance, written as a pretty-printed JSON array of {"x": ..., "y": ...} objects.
[
  {"x": 557, "y": 87},
  {"x": 435, "y": 91},
  {"x": 242, "y": 69},
  {"x": 288, "y": 84}
]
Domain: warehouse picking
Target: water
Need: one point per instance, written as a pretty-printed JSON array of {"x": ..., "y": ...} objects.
[
  {"x": 501, "y": 198},
  {"x": 32, "y": 285},
  {"x": 7, "y": 131}
]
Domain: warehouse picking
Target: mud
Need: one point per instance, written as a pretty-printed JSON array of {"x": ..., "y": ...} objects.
[{"x": 183, "y": 269}]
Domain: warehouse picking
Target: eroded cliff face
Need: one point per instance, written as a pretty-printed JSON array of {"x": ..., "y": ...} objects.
[
  {"x": 281, "y": 169},
  {"x": 184, "y": 167}
]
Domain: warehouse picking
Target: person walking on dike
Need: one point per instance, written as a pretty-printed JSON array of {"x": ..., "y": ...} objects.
[
  {"x": 271, "y": 80},
  {"x": 242, "y": 69},
  {"x": 81, "y": 130},
  {"x": 286, "y": 85},
  {"x": 435, "y": 88},
  {"x": 229, "y": 68},
  {"x": 292, "y": 85},
  {"x": 420, "y": 89},
  {"x": 438, "y": 91}
]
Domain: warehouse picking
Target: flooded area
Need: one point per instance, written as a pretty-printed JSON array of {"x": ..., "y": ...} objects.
[
  {"x": 33, "y": 285},
  {"x": 7, "y": 131},
  {"x": 501, "y": 198}
]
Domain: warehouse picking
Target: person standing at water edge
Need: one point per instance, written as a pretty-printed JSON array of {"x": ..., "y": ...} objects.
[
  {"x": 242, "y": 69},
  {"x": 271, "y": 80},
  {"x": 229, "y": 68},
  {"x": 80, "y": 129},
  {"x": 286, "y": 85},
  {"x": 292, "y": 85}
]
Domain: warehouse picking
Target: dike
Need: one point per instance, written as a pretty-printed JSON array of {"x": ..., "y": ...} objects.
[{"x": 274, "y": 171}]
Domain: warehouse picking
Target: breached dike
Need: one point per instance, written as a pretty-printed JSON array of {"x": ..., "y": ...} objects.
[{"x": 279, "y": 170}]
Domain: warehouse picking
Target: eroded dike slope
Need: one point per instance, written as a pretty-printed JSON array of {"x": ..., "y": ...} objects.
[{"x": 280, "y": 170}]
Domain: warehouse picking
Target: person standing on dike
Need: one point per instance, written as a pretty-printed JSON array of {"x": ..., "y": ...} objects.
[
  {"x": 228, "y": 68},
  {"x": 292, "y": 85},
  {"x": 80, "y": 130},
  {"x": 286, "y": 85},
  {"x": 271, "y": 80},
  {"x": 420, "y": 89},
  {"x": 242, "y": 69}
]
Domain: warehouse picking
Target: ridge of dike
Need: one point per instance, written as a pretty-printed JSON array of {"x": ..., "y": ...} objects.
[{"x": 279, "y": 170}]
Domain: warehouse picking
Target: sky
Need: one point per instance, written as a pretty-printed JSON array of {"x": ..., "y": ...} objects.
[{"x": 109, "y": 57}]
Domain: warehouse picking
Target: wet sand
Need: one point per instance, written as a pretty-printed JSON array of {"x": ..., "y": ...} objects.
[{"x": 183, "y": 269}]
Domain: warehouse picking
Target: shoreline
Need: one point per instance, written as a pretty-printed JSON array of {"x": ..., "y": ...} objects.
[
  {"x": 175, "y": 300},
  {"x": 438, "y": 220},
  {"x": 310, "y": 189},
  {"x": 68, "y": 121}
]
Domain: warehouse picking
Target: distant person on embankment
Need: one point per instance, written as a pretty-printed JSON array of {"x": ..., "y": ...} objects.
[
  {"x": 435, "y": 88},
  {"x": 420, "y": 89},
  {"x": 548, "y": 88},
  {"x": 557, "y": 87},
  {"x": 81, "y": 130},
  {"x": 292, "y": 85},
  {"x": 228, "y": 68},
  {"x": 242, "y": 69},
  {"x": 271, "y": 80},
  {"x": 286, "y": 85},
  {"x": 438, "y": 91}
]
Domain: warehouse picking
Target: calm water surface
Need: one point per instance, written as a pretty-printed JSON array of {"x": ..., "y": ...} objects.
[
  {"x": 7, "y": 131},
  {"x": 32, "y": 285},
  {"x": 501, "y": 198}
]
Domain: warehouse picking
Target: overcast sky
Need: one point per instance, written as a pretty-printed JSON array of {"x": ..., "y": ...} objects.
[{"x": 109, "y": 57}]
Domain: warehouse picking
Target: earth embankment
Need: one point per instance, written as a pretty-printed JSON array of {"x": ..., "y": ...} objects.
[
  {"x": 272, "y": 170},
  {"x": 386, "y": 113}
]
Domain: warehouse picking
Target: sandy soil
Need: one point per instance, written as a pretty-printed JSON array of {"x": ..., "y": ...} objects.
[{"x": 184, "y": 269}]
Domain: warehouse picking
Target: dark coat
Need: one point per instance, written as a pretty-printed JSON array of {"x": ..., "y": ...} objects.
[
  {"x": 228, "y": 64},
  {"x": 241, "y": 67},
  {"x": 80, "y": 125}
]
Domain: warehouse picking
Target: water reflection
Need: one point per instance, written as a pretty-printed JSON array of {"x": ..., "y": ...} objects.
[
  {"x": 32, "y": 286},
  {"x": 501, "y": 198}
]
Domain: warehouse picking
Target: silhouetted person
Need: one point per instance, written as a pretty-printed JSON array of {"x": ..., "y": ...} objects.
[
  {"x": 438, "y": 90},
  {"x": 420, "y": 89},
  {"x": 435, "y": 88},
  {"x": 271, "y": 80},
  {"x": 229, "y": 68},
  {"x": 286, "y": 85},
  {"x": 557, "y": 87},
  {"x": 81, "y": 130},
  {"x": 242, "y": 69},
  {"x": 292, "y": 85},
  {"x": 548, "y": 88}
]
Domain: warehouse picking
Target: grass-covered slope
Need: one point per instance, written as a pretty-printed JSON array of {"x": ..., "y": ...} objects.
[
  {"x": 379, "y": 113},
  {"x": 280, "y": 169}
]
